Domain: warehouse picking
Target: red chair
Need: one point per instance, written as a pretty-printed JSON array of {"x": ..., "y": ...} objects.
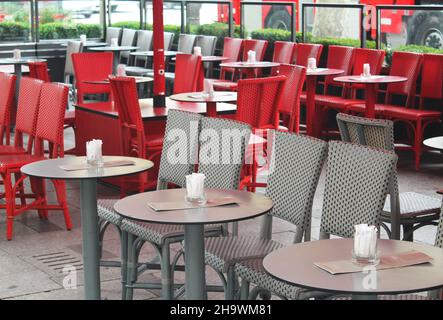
[
  {"x": 187, "y": 73},
  {"x": 258, "y": 104},
  {"x": 134, "y": 141},
  {"x": 49, "y": 128},
  {"x": 304, "y": 51},
  {"x": 431, "y": 88},
  {"x": 290, "y": 106},
  {"x": 39, "y": 70},
  {"x": 283, "y": 51},
  {"x": 232, "y": 49},
  {"x": 91, "y": 66},
  {"x": 7, "y": 96}
]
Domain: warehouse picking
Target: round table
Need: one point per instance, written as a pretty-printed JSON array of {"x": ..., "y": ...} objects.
[
  {"x": 50, "y": 169},
  {"x": 295, "y": 265},
  {"x": 106, "y": 81},
  {"x": 202, "y": 97},
  {"x": 89, "y": 44},
  {"x": 311, "y": 85},
  {"x": 114, "y": 50},
  {"x": 18, "y": 68},
  {"x": 210, "y": 59},
  {"x": 436, "y": 143},
  {"x": 249, "y": 67},
  {"x": 249, "y": 205},
  {"x": 151, "y": 53},
  {"x": 371, "y": 84}
]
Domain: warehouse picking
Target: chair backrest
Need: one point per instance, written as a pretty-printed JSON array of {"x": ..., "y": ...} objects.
[
  {"x": 168, "y": 39},
  {"x": 51, "y": 115},
  {"x": 124, "y": 92},
  {"x": 27, "y": 111},
  {"x": 439, "y": 235},
  {"x": 371, "y": 56},
  {"x": 339, "y": 57},
  {"x": 128, "y": 39},
  {"x": 259, "y": 46},
  {"x": 232, "y": 48},
  {"x": 222, "y": 147},
  {"x": 357, "y": 179},
  {"x": 7, "y": 96},
  {"x": 144, "y": 40},
  {"x": 180, "y": 148},
  {"x": 404, "y": 64},
  {"x": 207, "y": 44},
  {"x": 283, "y": 51},
  {"x": 258, "y": 101},
  {"x": 431, "y": 79},
  {"x": 186, "y": 43},
  {"x": 187, "y": 71},
  {"x": 296, "y": 163},
  {"x": 72, "y": 47},
  {"x": 290, "y": 105},
  {"x": 111, "y": 33},
  {"x": 91, "y": 66},
  {"x": 304, "y": 51},
  {"x": 39, "y": 70}
]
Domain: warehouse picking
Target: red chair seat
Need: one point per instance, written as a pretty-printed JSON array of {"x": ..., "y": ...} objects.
[
  {"x": 5, "y": 150},
  {"x": 361, "y": 106},
  {"x": 16, "y": 161},
  {"x": 334, "y": 102},
  {"x": 409, "y": 114}
]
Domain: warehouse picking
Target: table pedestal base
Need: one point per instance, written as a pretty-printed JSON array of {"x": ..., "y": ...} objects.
[{"x": 195, "y": 262}]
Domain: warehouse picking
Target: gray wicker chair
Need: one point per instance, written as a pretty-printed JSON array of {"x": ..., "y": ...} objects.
[
  {"x": 409, "y": 209},
  {"x": 128, "y": 39},
  {"x": 291, "y": 185},
  {"x": 207, "y": 44},
  {"x": 356, "y": 185},
  {"x": 144, "y": 43},
  {"x": 218, "y": 175},
  {"x": 111, "y": 33},
  {"x": 186, "y": 43}
]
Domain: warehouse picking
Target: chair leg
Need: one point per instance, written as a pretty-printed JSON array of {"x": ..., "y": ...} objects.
[
  {"x": 124, "y": 260},
  {"x": 21, "y": 189},
  {"x": 130, "y": 265},
  {"x": 230, "y": 284},
  {"x": 408, "y": 232},
  {"x": 244, "y": 290},
  {"x": 418, "y": 144},
  {"x": 10, "y": 204},
  {"x": 166, "y": 272},
  {"x": 38, "y": 187}
]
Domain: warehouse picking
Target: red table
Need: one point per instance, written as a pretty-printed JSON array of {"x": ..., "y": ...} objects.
[
  {"x": 202, "y": 97},
  {"x": 371, "y": 84},
  {"x": 311, "y": 85},
  {"x": 249, "y": 67}
]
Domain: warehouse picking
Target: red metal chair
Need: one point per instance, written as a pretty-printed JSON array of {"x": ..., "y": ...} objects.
[
  {"x": 304, "y": 51},
  {"x": 39, "y": 70},
  {"x": 283, "y": 51},
  {"x": 431, "y": 88},
  {"x": 290, "y": 106},
  {"x": 7, "y": 96},
  {"x": 91, "y": 66},
  {"x": 187, "y": 73},
  {"x": 49, "y": 129},
  {"x": 134, "y": 141},
  {"x": 258, "y": 104},
  {"x": 232, "y": 48}
]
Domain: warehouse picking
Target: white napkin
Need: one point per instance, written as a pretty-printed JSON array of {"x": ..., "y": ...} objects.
[
  {"x": 366, "y": 70},
  {"x": 208, "y": 87},
  {"x": 83, "y": 38},
  {"x": 121, "y": 70},
  {"x": 94, "y": 151},
  {"x": 252, "y": 56},
  {"x": 312, "y": 63},
  {"x": 195, "y": 184},
  {"x": 365, "y": 240},
  {"x": 197, "y": 51},
  {"x": 17, "y": 54},
  {"x": 114, "y": 42}
]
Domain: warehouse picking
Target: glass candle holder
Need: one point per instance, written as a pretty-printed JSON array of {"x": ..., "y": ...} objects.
[{"x": 195, "y": 191}]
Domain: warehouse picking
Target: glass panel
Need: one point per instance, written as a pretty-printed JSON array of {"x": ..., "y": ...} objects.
[
  {"x": 68, "y": 19},
  {"x": 15, "y": 21},
  {"x": 125, "y": 13},
  {"x": 171, "y": 17}
]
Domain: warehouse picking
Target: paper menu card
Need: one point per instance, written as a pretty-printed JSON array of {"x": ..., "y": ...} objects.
[
  {"x": 403, "y": 259},
  {"x": 183, "y": 205},
  {"x": 106, "y": 164}
]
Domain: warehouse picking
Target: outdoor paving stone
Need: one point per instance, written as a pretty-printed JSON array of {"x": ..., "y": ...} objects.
[{"x": 25, "y": 283}]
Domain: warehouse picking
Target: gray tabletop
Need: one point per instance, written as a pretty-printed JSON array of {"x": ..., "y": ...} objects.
[
  {"x": 295, "y": 265},
  {"x": 110, "y": 48},
  {"x": 258, "y": 64},
  {"x": 219, "y": 96},
  {"x": 436, "y": 142},
  {"x": 248, "y": 205},
  {"x": 151, "y": 53},
  {"x": 19, "y": 61},
  {"x": 89, "y": 44},
  {"x": 50, "y": 168}
]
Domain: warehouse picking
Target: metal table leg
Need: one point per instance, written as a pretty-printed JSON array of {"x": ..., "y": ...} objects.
[
  {"x": 364, "y": 297},
  {"x": 90, "y": 236},
  {"x": 18, "y": 74},
  {"x": 116, "y": 60},
  {"x": 195, "y": 262}
]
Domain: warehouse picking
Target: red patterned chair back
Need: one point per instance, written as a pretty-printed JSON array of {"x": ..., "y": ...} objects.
[
  {"x": 304, "y": 51},
  {"x": 7, "y": 96},
  {"x": 404, "y": 64},
  {"x": 27, "y": 111},
  {"x": 290, "y": 101},
  {"x": 371, "y": 56},
  {"x": 124, "y": 92},
  {"x": 283, "y": 51},
  {"x": 259, "y": 46},
  {"x": 91, "y": 66},
  {"x": 232, "y": 49},
  {"x": 258, "y": 101},
  {"x": 187, "y": 72},
  {"x": 51, "y": 114},
  {"x": 339, "y": 57},
  {"x": 39, "y": 70},
  {"x": 431, "y": 78}
]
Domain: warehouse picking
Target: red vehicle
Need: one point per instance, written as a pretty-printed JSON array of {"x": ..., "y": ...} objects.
[{"x": 398, "y": 26}]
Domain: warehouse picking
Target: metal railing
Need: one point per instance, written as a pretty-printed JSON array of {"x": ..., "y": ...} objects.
[
  {"x": 362, "y": 7},
  {"x": 292, "y": 5}
]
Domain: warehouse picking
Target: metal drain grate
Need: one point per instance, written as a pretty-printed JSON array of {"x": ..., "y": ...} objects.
[{"x": 58, "y": 260}]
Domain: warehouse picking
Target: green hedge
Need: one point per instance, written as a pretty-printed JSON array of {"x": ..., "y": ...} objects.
[
  {"x": 411, "y": 48},
  {"x": 127, "y": 24},
  {"x": 218, "y": 29},
  {"x": 13, "y": 31},
  {"x": 59, "y": 30}
]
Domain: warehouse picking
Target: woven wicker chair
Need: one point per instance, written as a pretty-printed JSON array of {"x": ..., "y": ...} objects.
[
  {"x": 410, "y": 209},
  {"x": 291, "y": 186},
  {"x": 223, "y": 174},
  {"x": 357, "y": 181}
]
